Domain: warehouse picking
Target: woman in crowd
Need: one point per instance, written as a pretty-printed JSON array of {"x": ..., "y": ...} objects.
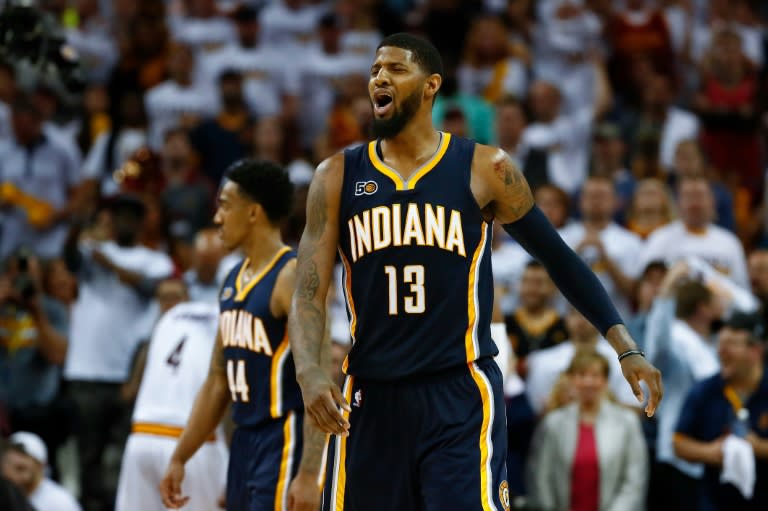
[{"x": 589, "y": 455}]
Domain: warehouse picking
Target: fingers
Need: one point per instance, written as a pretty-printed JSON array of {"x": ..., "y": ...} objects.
[
  {"x": 170, "y": 490},
  {"x": 339, "y": 398},
  {"x": 171, "y": 494},
  {"x": 333, "y": 416},
  {"x": 634, "y": 384},
  {"x": 326, "y": 415},
  {"x": 655, "y": 390}
]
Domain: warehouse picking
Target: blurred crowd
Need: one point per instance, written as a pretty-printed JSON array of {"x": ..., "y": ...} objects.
[{"x": 641, "y": 126}]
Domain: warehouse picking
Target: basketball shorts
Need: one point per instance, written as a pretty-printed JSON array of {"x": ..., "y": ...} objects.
[
  {"x": 435, "y": 443},
  {"x": 145, "y": 461},
  {"x": 263, "y": 460}
]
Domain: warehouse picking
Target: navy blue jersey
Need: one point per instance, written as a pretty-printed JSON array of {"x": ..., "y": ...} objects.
[
  {"x": 260, "y": 369},
  {"x": 417, "y": 261}
]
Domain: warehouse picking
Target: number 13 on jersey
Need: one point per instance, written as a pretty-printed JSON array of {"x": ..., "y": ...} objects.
[
  {"x": 238, "y": 384},
  {"x": 414, "y": 303}
]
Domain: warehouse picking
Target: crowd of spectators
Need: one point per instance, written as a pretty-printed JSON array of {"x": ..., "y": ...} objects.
[{"x": 641, "y": 126}]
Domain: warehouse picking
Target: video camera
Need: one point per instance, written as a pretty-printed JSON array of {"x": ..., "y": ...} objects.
[{"x": 33, "y": 41}]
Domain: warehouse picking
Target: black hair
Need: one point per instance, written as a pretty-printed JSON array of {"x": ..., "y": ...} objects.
[
  {"x": 264, "y": 182},
  {"x": 424, "y": 52},
  {"x": 752, "y": 323},
  {"x": 534, "y": 263},
  {"x": 230, "y": 74}
]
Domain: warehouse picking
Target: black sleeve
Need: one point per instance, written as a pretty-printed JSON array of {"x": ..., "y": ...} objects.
[{"x": 571, "y": 275}]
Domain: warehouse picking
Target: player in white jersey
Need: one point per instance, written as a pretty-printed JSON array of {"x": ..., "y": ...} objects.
[{"x": 176, "y": 367}]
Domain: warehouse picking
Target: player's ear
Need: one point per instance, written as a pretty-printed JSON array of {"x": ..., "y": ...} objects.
[
  {"x": 432, "y": 85},
  {"x": 255, "y": 213}
]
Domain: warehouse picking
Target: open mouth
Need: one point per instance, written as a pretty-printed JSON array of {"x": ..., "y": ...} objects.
[{"x": 382, "y": 102}]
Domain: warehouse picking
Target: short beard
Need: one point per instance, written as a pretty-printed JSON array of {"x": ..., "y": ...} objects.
[{"x": 390, "y": 128}]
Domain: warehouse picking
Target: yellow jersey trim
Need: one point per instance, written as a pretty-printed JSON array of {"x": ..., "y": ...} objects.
[
  {"x": 286, "y": 462},
  {"x": 486, "y": 447},
  {"x": 340, "y": 469},
  {"x": 242, "y": 292},
  {"x": 150, "y": 428},
  {"x": 350, "y": 303},
  {"x": 276, "y": 378},
  {"x": 410, "y": 183},
  {"x": 470, "y": 337}
]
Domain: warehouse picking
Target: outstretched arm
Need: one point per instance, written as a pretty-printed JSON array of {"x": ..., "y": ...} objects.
[
  {"x": 314, "y": 272},
  {"x": 502, "y": 191}
]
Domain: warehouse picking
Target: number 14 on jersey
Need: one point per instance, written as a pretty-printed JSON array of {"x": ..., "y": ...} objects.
[{"x": 238, "y": 384}]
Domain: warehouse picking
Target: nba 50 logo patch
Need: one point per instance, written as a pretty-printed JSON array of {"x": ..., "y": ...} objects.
[{"x": 365, "y": 188}]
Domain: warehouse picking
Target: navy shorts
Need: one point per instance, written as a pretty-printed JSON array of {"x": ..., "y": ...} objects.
[
  {"x": 434, "y": 443},
  {"x": 262, "y": 461}
]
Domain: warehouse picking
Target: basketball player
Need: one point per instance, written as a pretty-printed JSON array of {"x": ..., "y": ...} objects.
[
  {"x": 252, "y": 365},
  {"x": 176, "y": 367},
  {"x": 420, "y": 422}
]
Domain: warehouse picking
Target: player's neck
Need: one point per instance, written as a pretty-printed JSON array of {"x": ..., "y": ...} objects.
[
  {"x": 418, "y": 141},
  {"x": 262, "y": 248}
]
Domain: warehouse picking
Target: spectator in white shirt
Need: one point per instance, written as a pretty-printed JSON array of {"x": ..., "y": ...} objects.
[
  {"x": 111, "y": 316},
  {"x": 177, "y": 101},
  {"x": 558, "y": 142},
  {"x": 24, "y": 463},
  {"x": 608, "y": 249},
  {"x": 201, "y": 27},
  {"x": 38, "y": 178},
  {"x": 567, "y": 33},
  {"x": 323, "y": 68},
  {"x": 93, "y": 41},
  {"x": 290, "y": 24},
  {"x": 694, "y": 234},
  {"x": 202, "y": 279},
  {"x": 680, "y": 341},
  {"x": 545, "y": 366},
  {"x": 271, "y": 87}
]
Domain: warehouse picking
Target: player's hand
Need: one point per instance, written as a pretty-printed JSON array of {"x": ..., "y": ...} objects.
[
  {"x": 304, "y": 493},
  {"x": 322, "y": 399},
  {"x": 170, "y": 486},
  {"x": 636, "y": 369}
]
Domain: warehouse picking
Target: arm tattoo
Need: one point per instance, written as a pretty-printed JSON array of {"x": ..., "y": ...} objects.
[
  {"x": 306, "y": 323},
  {"x": 307, "y": 288},
  {"x": 517, "y": 193}
]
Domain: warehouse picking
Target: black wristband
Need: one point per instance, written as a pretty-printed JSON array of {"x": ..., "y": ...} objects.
[{"x": 629, "y": 353}]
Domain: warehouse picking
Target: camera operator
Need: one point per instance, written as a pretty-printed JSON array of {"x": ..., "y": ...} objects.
[{"x": 33, "y": 345}]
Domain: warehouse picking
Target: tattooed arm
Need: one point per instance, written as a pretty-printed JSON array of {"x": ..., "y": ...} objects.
[
  {"x": 306, "y": 488},
  {"x": 314, "y": 271},
  {"x": 207, "y": 412},
  {"x": 503, "y": 193}
]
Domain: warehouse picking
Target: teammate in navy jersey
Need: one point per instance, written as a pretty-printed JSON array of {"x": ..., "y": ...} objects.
[
  {"x": 251, "y": 365},
  {"x": 420, "y": 423}
]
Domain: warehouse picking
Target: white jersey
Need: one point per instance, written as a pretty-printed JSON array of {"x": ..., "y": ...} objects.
[{"x": 177, "y": 364}]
